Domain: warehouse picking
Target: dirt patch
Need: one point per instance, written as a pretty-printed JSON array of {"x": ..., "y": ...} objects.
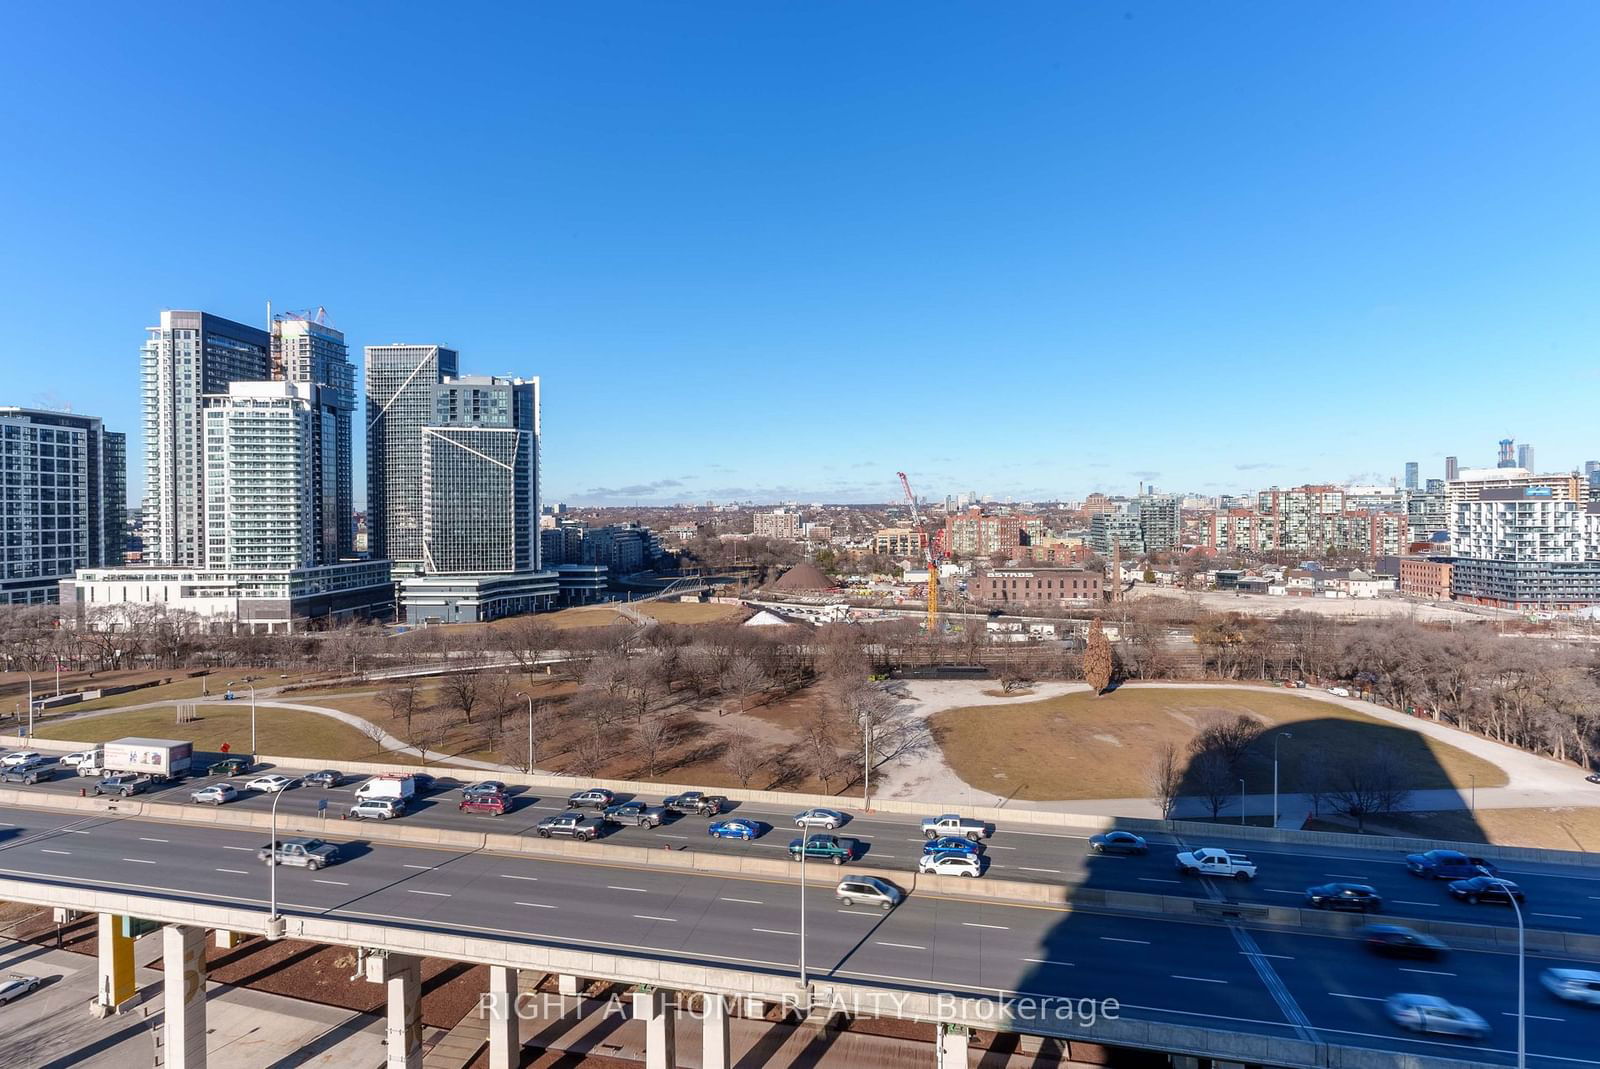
[
  {"x": 1008, "y": 693},
  {"x": 280, "y": 731}
]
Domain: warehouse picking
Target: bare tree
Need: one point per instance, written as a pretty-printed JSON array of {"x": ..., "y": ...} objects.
[
  {"x": 529, "y": 641},
  {"x": 744, "y": 679},
  {"x": 1097, "y": 661},
  {"x": 1166, "y": 778},
  {"x": 462, "y": 690},
  {"x": 652, "y": 733},
  {"x": 1229, "y": 738},
  {"x": 375, "y": 733},
  {"x": 645, "y": 685},
  {"x": 402, "y": 701},
  {"x": 1213, "y": 780},
  {"x": 744, "y": 756},
  {"x": 1367, "y": 784},
  {"x": 820, "y": 735}
]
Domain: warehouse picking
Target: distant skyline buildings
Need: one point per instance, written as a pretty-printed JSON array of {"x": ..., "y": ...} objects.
[
  {"x": 1411, "y": 474},
  {"x": 1525, "y": 457}
]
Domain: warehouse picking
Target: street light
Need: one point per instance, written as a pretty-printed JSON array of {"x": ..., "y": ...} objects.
[
  {"x": 272, "y": 902},
  {"x": 252, "y": 687},
  {"x": 1473, "y": 776},
  {"x": 520, "y": 694},
  {"x": 1522, "y": 987},
  {"x": 805, "y": 840},
  {"x": 1241, "y": 803},
  {"x": 1279, "y": 737},
  {"x": 866, "y": 762}
]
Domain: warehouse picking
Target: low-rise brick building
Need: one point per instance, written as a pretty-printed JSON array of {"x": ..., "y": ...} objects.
[
  {"x": 1421, "y": 577},
  {"x": 1036, "y": 587}
]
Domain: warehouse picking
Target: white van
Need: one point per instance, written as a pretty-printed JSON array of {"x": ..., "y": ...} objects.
[{"x": 394, "y": 788}]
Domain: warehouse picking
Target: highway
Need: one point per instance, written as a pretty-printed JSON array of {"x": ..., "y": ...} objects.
[
  {"x": 1158, "y": 969},
  {"x": 1560, "y": 897}
]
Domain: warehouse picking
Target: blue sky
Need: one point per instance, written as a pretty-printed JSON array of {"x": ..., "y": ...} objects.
[{"x": 782, "y": 250}]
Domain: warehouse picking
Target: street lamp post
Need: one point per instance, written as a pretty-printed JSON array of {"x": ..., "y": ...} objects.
[
  {"x": 1241, "y": 803},
  {"x": 805, "y": 837},
  {"x": 866, "y": 763},
  {"x": 272, "y": 906},
  {"x": 529, "y": 697},
  {"x": 1279, "y": 737},
  {"x": 1522, "y": 988},
  {"x": 1474, "y": 777}
]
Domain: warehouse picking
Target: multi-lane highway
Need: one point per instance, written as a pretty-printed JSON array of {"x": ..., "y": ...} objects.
[
  {"x": 1158, "y": 969},
  {"x": 1560, "y": 897}
]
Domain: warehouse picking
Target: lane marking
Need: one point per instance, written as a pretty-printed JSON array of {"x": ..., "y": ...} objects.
[
  {"x": 246, "y": 849},
  {"x": 1428, "y": 972},
  {"x": 42, "y": 850},
  {"x": 138, "y": 861},
  {"x": 742, "y": 901},
  {"x": 667, "y": 835},
  {"x": 1558, "y": 916},
  {"x": 614, "y": 887},
  {"x": 235, "y": 872},
  {"x": 1027, "y": 868},
  {"x": 857, "y": 913},
  {"x": 1152, "y": 879},
  {"x": 1114, "y": 939},
  {"x": 649, "y": 917},
  {"x": 996, "y": 927},
  {"x": 1198, "y": 979},
  {"x": 433, "y": 894},
  {"x": 537, "y": 905},
  {"x": 1534, "y": 1017},
  {"x": 509, "y": 876},
  {"x": 902, "y": 946},
  {"x": 1046, "y": 961},
  {"x": 147, "y": 839},
  {"x": 1276, "y": 891},
  {"x": 1264, "y": 954},
  {"x": 1363, "y": 998},
  {"x": 423, "y": 867},
  {"x": 336, "y": 883},
  {"x": 773, "y": 931},
  {"x": 1404, "y": 902}
]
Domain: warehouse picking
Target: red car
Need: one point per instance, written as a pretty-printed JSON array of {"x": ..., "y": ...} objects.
[{"x": 495, "y": 803}]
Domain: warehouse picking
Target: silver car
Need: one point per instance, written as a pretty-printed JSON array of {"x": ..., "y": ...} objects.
[
  {"x": 16, "y": 985},
  {"x": 869, "y": 891},
  {"x": 819, "y": 818},
  {"x": 1572, "y": 985},
  {"x": 1429, "y": 1014}
]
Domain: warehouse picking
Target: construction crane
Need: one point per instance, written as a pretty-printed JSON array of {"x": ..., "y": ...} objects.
[{"x": 933, "y": 564}]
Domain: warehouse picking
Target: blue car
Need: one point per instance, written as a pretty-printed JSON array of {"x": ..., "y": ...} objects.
[
  {"x": 736, "y": 828},
  {"x": 951, "y": 844}
]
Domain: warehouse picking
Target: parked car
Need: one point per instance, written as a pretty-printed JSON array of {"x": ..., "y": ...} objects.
[
  {"x": 697, "y": 803},
  {"x": 636, "y": 813},
  {"x": 593, "y": 798},
  {"x": 820, "y": 818},
  {"x": 123, "y": 784},
  {"x": 22, "y": 759},
  {"x": 737, "y": 828},
  {"x": 951, "y": 844},
  {"x": 376, "y": 809},
  {"x": 1118, "y": 842},
  {"x": 1449, "y": 865},
  {"x": 270, "y": 784},
  {"x": 823, "y": 848},
  {"x": 1486, "y": 889},
  {"x": 1430, "y": 1014},
  {"x": 869, "y": 890},
  {"x": 1572, "y": 985},
  {"x": 214, "y": 794},
  {"x": 16, "y": 985},
  {"x": 950, "y": 863},
  {"x": 1357, "y": 897},
  {"x": 325, "y": 777},
  {"x": 487, "y": 786},
  {"x": 1339, "y": 692},
  {"x": 573, "y": 825},
  {"x": 311, "y": 854},
  {"x": 492, "y": 802},
  {"x": 230, "y": 766},
  {"x": 1396, "y": 941},
  {"x": 951, "y": 824},
  {"x": 1211, "y": 861}
]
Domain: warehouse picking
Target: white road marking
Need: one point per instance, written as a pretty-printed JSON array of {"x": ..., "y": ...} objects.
[
  {"x": 138, "y": 861},
  {"x": 1114, "y": 939},
  {"x": 423, "y": 867},
  {"x": 1152, "y": 879},
  {"x": 235, "y": 872},
  {"x": 1276, "y": 891},
  {"x": 1345, "y": 876},
  {"x": 1025, "y": 868},
  {"x": 773, "y": 931},
  {"x": 82, "y": 831},
  {"x": 537, "y": 905},
  {"x": 1558, "y": 916},
  {"x": 1045, "y": 961},
  {"x": 648, "y": 917},
  {"x": 902, "y": 946},
  {"x": 147, "y": 839},
  {"x": 856, "y": 913},
  {"x": 1363, "y": 998},
  {"x": 996, "y": 927},
  {"x": 246, "y": 849},
  {"x": 1404, "y": 902},
  {"x": 1198, "y": 979},
  {"x": 614, "y": 887},
  {"x": 336, "y": 883},
  {"x": 509, "y": 876},
  {"x": 1428, "y": 972},
  {"x": 991, "y": 846},
  {"x": 666, "y": 835},
  {"x": 1262, "y": 954},
  {"x": 432, "y": 894},
  {"x": 42, "y": 850},
  {"x": 743, "y": 901},
  {"x": 1534, "y": 1017}
]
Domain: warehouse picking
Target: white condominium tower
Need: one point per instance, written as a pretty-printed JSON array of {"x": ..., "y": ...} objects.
[
  {"x": 258, "y": 478},
  {"x": 307, "y": 350}
]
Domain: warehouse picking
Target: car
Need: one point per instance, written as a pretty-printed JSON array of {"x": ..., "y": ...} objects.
[
  {"x": 487, "y": 786},
  {"x": 1350, "y": 896},
  {"x": 952, "y": 824},
  {"x": 698, "y": 803},
  {"x": 823, "y": 848},
  {"x": 1339, "y": 692},
  {"x": 270, "y": 784},
  {"x": 1486, "y": 889},
  {"x": 125, "y": 785},
  {"x": 951, "y": 844},
  {"x": 22, "y": 759},
  {"x": 73, "y": 760},
  {"x": 637, "y": 813},
  {"x": 592, "y": 798},
  {"x": 737, "y": 828},
  {"x": 820, "y": 818},
  {"x": 491, "y": 802},
  {"x": 325, "y": 777},
  {"x": 1397, "y": 941},
  {"x": 1212, "y": 861},
  {"x": 376, "y": 809},
  {"x": 1572, "y": 985},
  {"x": 16, "y": 985},
  {"x": 229, "y": 766},
  {"x": 869, "y": 890},
  {"x": 949, "y": 863},
  {"x": 1428, "y": 1013},
  {"x": 1118, "y": 842},
  {"x": 1593, "y": 777},
  {"x": 214, "y": 794},
  {"x": 310, "y": 854},
  {"x": 1448, "y": 865},
  {"x": 573, "y": 825}
]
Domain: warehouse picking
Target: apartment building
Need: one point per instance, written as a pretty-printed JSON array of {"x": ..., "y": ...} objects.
[
  {"x": 1526, "y": 547},
  {"x": 309, "y": 351},
  {"x": 900, "y": 543},
  {"x": 1425, "y": 577},
  {"x": 975, "y": 533},
  {"x": 782, "y": 524},
  {"x": 1111, "y": 532},
  {"x": 400, "y": 384}
]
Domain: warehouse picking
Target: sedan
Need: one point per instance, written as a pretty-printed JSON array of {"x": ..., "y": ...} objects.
[
  {"x": 214, "y": 794},
  {"x": 22, "y": 759},
  {"x": 16, "y": 985},
  {"x": 1118, "y": 842},
  {"x": 488, "y": 786},
  {"x": 949, "y": 864},
  {"x": 326, "y": 777},
  {"x": 270, "y": 784},
  {"x": 819, "y": 818},
  {"x": 951, "y": 844},
  {"x": 1426, "y": 1013},
  {"x": 1395, "y": 941},
  {"x": 1351, "y": 896},
  {"x": 1573, "y": 985},
  {"x": 737, "y": 828},
  {"x": 1486, "y": 889}
]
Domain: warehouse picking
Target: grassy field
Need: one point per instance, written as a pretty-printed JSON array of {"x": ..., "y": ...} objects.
[
  {"x": 1568, "y": 828},
  {"x": 278, "y": 731},
  {"x": 1079, "y": 746}
]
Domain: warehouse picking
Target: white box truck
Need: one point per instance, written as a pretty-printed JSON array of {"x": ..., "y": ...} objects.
[
  {"x": 159, "y": 759},
  {"x": 390, "y": 788}
]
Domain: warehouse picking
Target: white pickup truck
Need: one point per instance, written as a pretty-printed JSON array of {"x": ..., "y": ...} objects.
[
  {"x": 951, "y": 824},
  {"x": 1209, "y": 861}
]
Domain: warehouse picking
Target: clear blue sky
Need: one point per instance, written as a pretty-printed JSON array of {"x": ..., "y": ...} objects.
[{"x": 778, "y": 250}]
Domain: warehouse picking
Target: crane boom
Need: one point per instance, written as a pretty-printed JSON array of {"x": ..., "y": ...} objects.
[{"x": 933, "y": 565}]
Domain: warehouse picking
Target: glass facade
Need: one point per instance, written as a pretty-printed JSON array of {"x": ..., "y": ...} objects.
[
  {"x": 480, "y": 477},
  {"x": 259, "y": 502},
  {"x": 305, "y": 351},
  {"x": 400, "y": 383}
]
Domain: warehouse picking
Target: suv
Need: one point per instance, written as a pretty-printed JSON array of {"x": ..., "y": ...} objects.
[
  {"x": 326, "y": 777},
  {"x": 230, "y": 766},
  {"x": 575, "y": 825},
  {"x": 696, "y": 802},
  {"x": 636, "y": 813},
  {"x": 22, "y": 759},
  {"x": 494, "y": 803},
  {"x": 593, "y": 798},
  {"x": 869, "y": 890},
  {"x": 307, "y": 853},
  {"x": 376, "y": 809},
  {"x": 1210, "y": 861},
  {"x": 823, "y": 848},
  {"x": 950, "y": 863},
  {"x": 1448, "y": 865},
  {"x": 214, "y": 794},
  {"x": 125, "y": 785}
]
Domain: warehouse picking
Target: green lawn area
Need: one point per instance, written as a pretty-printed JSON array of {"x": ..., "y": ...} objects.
[
  {"x": 284, "y": 732},
  {"x": 1080, "y": 746}
]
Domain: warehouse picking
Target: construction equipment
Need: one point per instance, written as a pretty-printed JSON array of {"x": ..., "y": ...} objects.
[{"x": 933, "y": 564}]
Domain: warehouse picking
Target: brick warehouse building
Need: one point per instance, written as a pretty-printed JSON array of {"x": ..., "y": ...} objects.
[{"x": 1064, "y": 587}]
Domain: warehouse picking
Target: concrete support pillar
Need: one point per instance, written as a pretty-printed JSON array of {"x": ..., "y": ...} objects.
[
  {"x": 227, "y": 940},
  {"x": 714, "y": 1037},
  {"x": 402, "y": 975},
  {"x": 952, "y": 1050},
  {"x": 567, "y": 984},
  {"x": 1184, "y": 1061},
  {"x": 753, "y": 1008},
  {"x": 183, "y": 968},
  {"x": 505, "y": 1039},
  {"x": 654, "y": 1007},
  {"x": 116, "y": 983}
]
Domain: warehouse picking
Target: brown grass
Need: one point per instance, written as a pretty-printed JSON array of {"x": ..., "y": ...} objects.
[
  {"x": 1079, "y": 746},
  {"x": 1566, "y": 828},
  {"x": 285, "y": 732}
]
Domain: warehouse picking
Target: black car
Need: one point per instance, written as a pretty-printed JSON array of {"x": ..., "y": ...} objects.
[
  {"x": 1395, "y": 941},
  {"x": 1448, "y": 865},
  {"x": 1593, "y": 777},
  {"x": 326, "y": 777},
  {"x": 1118, "y": 842},
  {"x": 1486, "y": 889},
  {"x": 1357, "y": 897}
]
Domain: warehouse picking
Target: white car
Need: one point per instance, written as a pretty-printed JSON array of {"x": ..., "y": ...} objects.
[
  {"x": 1339, "y": 692},
  {"x": 819, "y": 818},
  {"x": 73, "y": 760},
  {"x": 271, "y": 784},
  {"x": 22, "y": 759},
  {"x": 951, "y": 864},
  {"x": 1573, "y": 985},
  {"x": 16, "y": 985},
  {"x": 214, "y": 794}
]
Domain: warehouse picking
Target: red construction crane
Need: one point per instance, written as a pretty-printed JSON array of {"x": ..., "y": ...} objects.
[{"x": 933, "y": 565}]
